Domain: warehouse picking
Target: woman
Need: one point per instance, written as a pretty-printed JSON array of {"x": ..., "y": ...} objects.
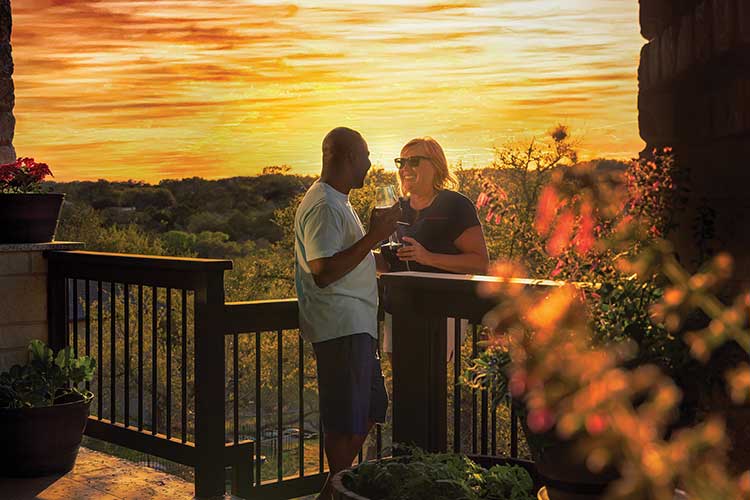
[{"x": 444, "y": 234}]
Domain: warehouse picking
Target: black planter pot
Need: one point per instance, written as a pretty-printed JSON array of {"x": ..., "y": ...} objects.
[
  {"x": 29, "y": 218},
  {"x": 566, "y": 476},
  {"x": 341, "y": 492},
  {"x": 41, "y": 441}
]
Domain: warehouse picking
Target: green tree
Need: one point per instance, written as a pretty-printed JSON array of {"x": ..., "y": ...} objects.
[
  {"x": 514, "y": 184},
  {"x": 180, "y": 243}
]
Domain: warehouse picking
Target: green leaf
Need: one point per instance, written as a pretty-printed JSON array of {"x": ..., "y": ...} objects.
[
  {"x": 62, "y": 357},
  {"x": 45, "y": 378},
  {"x": 39, "y": 351}
]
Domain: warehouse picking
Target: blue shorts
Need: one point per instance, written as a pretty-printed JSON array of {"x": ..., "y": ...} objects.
[{"x": 350, "y": 384}]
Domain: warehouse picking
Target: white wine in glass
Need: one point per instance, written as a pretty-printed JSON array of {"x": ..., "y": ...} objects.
[{"x": 385, "y": 197}]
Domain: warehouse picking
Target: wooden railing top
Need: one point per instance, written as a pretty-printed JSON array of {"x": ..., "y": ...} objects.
[
  {"x": 445, "y": 281},
  {"x": 142, "y": 262}
]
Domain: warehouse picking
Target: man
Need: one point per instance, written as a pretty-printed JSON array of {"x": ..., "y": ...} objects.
[{"x": 338, "y": 297}]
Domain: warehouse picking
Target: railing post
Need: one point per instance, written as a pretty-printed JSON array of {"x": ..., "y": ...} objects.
[
  {"x": 57, "y": 322},
  {"x": 243, "y": 474},
  {"x": 209, "y": 387},
  {"x": 419, "y": 371}
]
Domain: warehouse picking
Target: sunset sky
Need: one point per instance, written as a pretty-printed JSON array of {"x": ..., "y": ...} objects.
[{"x": 153, "y": 89}]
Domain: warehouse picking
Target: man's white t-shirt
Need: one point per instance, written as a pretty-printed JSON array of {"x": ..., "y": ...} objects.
[{"x": 324, "y": 225}]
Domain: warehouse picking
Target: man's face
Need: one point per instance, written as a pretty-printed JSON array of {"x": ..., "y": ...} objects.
[{"x": 359, "y": 164}]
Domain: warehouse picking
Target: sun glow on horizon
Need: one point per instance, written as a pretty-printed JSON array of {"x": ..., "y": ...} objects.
[{"x": 123, "y": 89}]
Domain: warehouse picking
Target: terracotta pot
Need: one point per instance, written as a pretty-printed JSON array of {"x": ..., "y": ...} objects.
[
  {"x": 29, "y": 218},
  {"x": 42, "y": 441}
]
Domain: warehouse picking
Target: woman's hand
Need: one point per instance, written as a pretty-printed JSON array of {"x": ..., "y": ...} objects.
[{"x": 414, "y": 252}]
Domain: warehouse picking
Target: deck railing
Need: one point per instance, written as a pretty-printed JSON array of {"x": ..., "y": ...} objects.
[
  {"x": 420, "y": 304},
  {"x": 185, "y": 376},
  {"x": 149, "y": 284}
]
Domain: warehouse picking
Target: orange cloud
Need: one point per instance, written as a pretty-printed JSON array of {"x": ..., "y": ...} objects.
[{"x": 144, "y": 89}]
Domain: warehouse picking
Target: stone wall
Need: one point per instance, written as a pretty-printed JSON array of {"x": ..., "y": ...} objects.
[
  {"x": 694, "y": 80},
  {"x": 23, "y": 311},
  {"x": 23, "y": 288},
  {"x": 7, "y": 96}
]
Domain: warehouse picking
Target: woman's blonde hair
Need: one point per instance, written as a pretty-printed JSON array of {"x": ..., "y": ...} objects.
[{"x": 443, "y": 179}]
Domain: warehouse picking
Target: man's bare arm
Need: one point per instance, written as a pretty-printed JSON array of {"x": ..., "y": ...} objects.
[{"x": 330, "y": 269}]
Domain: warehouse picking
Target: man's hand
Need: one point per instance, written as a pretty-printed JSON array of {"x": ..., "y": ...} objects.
[{"x": 383, "y": 222}]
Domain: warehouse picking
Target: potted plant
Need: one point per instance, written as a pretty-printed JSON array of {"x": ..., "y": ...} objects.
[
  {"x": 577, "y": 229},
  {"x": 414, "y": 475},
  {"x": 592, "y": 364},
  {"x": 43, "y": 412},
  {"x": 26, "y": 214}
]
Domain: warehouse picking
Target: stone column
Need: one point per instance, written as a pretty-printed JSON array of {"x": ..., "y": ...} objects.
[
  {"x": 7, "y": 97},
  {"x": 694, "y": 80},
  {"x": 23, "y": 298}
]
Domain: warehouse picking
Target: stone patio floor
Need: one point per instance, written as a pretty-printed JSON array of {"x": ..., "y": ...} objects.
[{"x": 98, "y": 476}]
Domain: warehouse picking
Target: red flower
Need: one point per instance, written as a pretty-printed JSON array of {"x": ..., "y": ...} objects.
[
  {"x": 561, "y": 235},
  {"x": 22, "y": 175},
  {"x": 482, "y": 200},
  {"x": 546, "y": 210},
  {"x": 540, "y": 420},
  {"x": 596, "y": 424},
  {"x": 584, "y": 239},
  {"x": 558, "y": 268}
]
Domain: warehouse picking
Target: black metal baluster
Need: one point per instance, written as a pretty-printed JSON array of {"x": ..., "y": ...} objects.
[
  {"x": 236, "y": 391},
  {"x": 280, "y": 406},
  {"x": 184, "y": 365},
  {"x": 169, "y": 363},
  {"x": 321, "y": 441},
  {"x": 474, "y": 355},
  {"x": 87, "y": 332},
  {"x": 154, "y": 361},
  {"x": 301, "y": 382},
  {"x": 126, "y": 353},
  {"x": 494, "y": 424},
  {"x": 484, "y": 438},
  {"x": 113, "y": 352},
  {"x": 74, "y": 303},
  {"x": 99, "y": 352},
  {"x": 378, "y": 427},
  {"x": 140, "y": 357},
  {"x": 513, "y": 431},
  {"x": 66, "y": 311},
  {"x": 456, "y": 385},
  {"x": 258, "y": 438}
]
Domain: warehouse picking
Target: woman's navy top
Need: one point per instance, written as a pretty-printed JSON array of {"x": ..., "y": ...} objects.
[{"x": 437, "y": 226}]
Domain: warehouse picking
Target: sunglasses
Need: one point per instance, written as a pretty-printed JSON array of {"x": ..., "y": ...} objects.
[{"x": 412, "y": 161}]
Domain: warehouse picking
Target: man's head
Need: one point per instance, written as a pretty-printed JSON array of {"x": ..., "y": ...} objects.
[{"x": 346, "y": 157}]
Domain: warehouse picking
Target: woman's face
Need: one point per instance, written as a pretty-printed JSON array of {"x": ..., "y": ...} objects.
[{"x": 417, "y": 179}]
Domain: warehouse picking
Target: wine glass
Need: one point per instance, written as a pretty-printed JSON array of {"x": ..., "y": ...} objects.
[{"x": 385, "y": 197}]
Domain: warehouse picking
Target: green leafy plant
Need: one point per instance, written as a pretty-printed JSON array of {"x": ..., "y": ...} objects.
[
  {"x": 416, "y": 475},
  {"x": 47, "y": 379}
]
